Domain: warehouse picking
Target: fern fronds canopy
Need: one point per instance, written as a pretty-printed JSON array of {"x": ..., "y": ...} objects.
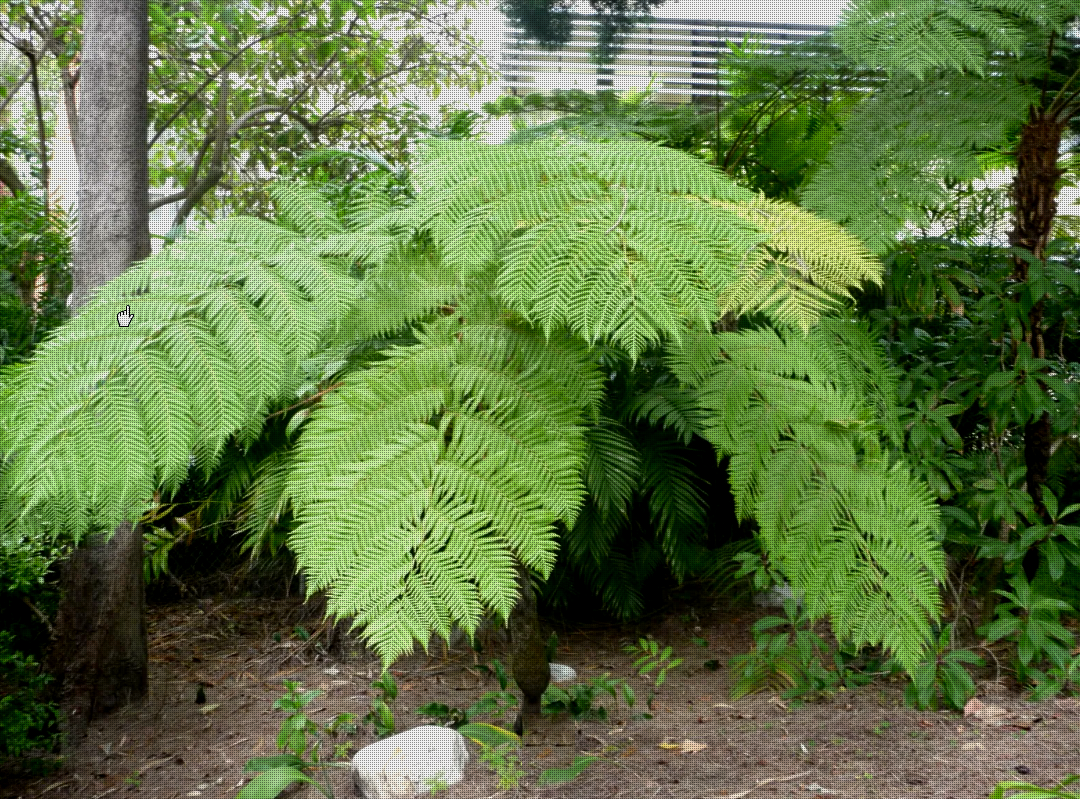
[
  {"x": 436, "y": 465},
  {"x": 628, "y": 242}
]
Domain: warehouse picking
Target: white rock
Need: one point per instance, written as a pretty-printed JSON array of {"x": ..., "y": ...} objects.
[
  {"x": 775, "y": 596},
  {"x": 403, "y": 765},
  {"x": 561, "y": 673}
]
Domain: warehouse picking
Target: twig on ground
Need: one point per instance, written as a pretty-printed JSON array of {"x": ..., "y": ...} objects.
[{"x": 765, "y": 782}]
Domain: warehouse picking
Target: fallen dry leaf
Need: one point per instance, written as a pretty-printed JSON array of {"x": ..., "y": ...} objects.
[{"x": 686, "y": 746}]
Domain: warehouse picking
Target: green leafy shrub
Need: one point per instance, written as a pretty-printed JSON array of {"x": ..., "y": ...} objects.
[
  {"x": 27, "y": 722},
  {"x": 652, "y": 658}
]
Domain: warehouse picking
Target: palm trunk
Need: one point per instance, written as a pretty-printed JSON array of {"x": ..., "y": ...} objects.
[{"x": 1035, "y": 193}]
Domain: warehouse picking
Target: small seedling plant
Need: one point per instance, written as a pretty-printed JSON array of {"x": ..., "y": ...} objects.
[
  {"x": 381, "y": 717},
  {"x": 582, "y": 701},
  {"x": 499, "y": 749},
  {"x": 652, "y": 658},
  {"x": 303, "y": 742},
  {"x": 579, "y": 701},
  {"x": 493, "y": 703},
  {"x": 1026, "y": 790}
]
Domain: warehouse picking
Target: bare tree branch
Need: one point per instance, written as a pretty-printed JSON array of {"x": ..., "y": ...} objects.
[{"x": 197, "y": 188}]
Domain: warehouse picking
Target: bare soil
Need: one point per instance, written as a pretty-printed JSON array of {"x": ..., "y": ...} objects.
[{"x": 699, "y": 743}]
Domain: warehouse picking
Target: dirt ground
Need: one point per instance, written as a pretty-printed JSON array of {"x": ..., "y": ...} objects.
[{"x": 699, "y": 743}]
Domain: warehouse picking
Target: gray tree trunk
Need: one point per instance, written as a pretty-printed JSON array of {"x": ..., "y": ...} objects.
[
  {"x": 100, "y": 652},
  {"x": 114, "y": 220}
]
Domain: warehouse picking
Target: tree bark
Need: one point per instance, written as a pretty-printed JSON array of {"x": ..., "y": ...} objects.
[
  {"x": 99, "y": 654},
  {"x": 10, "y": 178},
  {"x": 114, "y": 227}
]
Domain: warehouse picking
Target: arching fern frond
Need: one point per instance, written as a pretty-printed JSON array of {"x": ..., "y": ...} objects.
[
  {"x": 104, "y": 415},
  {"x": 301, "y": 206},
  {"x": 802, "y": 420},
  {"x": 806, "y": 268},
  {"x": 891, "y": 160},
  {"x": 917, "y": 36},
  {"x": 420, "y": 481}
]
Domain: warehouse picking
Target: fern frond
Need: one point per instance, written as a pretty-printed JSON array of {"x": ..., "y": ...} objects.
[
  {"x": 104, "y": 415},
  {"x": 801, "y": 419},
  {"x": 808, "y": 267},
  {"x": 588, "y": 543},
  {"x": 421, "y": 480},
  {"x": 670, "y": 406},
  {"x": 265, "y": 503},
  {"x": 676, "y": 503},
  {"x": 300, "y": 205},
  {"x": 892, "y": 158},
  {"x": 612, "y": 467},
  {"x": 917, "y": 36}
]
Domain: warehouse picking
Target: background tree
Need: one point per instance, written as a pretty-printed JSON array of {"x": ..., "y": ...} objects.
[
  {"x": 100, "y": 647},
  {"x": 550, "y": 22},
  {"x": 237, "y": 89}
]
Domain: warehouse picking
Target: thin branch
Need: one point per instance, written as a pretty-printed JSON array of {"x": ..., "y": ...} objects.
[
  {"x": 168, "y": 199},
  {"x": 39, "y": 613},
  {"x": 196, "y": 188},
  {"x": 15, "y": 90},
  {"x": 753, "y": 119},
  {"x": 307, "y": 400},
  {"x": 211, "y": 78},
  {"x": 245, "y": 119},
  {"x": 40, "y": 114},
  {"x": 1058, "y": 104}
]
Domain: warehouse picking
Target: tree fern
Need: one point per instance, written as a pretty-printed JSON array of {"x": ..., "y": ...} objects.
[{"x": 461, "y": 441}]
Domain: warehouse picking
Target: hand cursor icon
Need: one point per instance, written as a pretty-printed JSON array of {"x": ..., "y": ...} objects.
[{"x": 124, "y": 317}]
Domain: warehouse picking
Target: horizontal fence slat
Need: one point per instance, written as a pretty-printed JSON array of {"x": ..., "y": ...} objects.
[{"x": 679, "y": 56}]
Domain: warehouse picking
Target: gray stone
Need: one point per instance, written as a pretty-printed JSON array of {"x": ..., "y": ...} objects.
[
  {"x": 775, "y": 596},
  {"x": 404, "y": 765},
  {"x": 561, "y": 673}
]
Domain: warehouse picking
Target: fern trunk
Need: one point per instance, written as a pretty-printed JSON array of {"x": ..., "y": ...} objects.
[
  {"x": 528, "y": 658},
  {"x": 99, "y": 654},
  {"x": 1035, "y": 193}
]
